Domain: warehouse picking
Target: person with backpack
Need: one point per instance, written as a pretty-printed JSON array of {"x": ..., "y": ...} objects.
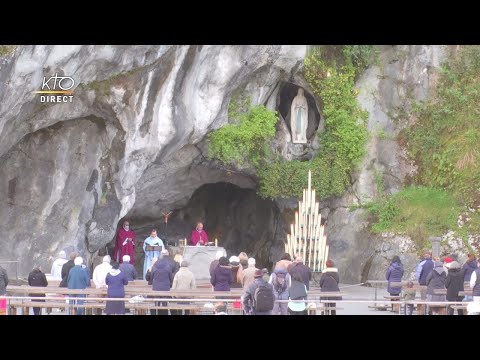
[
  {"x": 259, "y": 299},
  {"x": 281, "y": 281},
  {"x": 297, "y": 291}
]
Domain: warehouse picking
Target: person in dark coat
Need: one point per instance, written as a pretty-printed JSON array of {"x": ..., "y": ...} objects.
[
  {"x": 423, "y": 270},
  {"x": 162, "y": 280},
  {"x": 248, "y": 298},
  {"x": 214, "y": 263},
  {"x": 116, "y": 281},
  {"x": 37, "y": 278},
  {"x": 469, "y": 267},
  {"x": 222, "y": 277},
  {"x": 237, "y": 272},
  {"x": 3, "y": 281},
  {"x": 454, "y": 284},
  {"x": 66, "y": 269},
  {"x": 304, "y": 271},
  {"x": 128, "y": 269},
  {"x": 175, "y": 266},
  {"x": 297, "y": 291},
  {"x": 3, "y": 290},
  {"x": 329, "y": 283},
  {"x": 394, "y": 274},
  {"x": 435, "y": 281},
  {"x": 78, "y": 279}
]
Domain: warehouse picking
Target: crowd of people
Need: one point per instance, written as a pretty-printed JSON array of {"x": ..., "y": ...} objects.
[
  {"x": 289, "y": 279},
  {"x": 435, "y": 274}
]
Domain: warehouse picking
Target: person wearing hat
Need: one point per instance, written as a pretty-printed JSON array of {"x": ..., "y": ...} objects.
[
  {"x": 394, "y": 274},
  {"x": 237, "y": 272},
  {"x": 222, "y": 277},
  {"x": 259, "y": 299},
  {"x": 454, "y": 284},
  {"x": 57, "y": 265},
  {"x": 128, "y": 269}
]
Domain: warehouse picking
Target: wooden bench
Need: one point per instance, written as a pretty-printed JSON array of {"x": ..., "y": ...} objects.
[
  {"x": 328, "y": 310},
  {"x": 140, "y": 307},
  {"x": 378, "y": 307},
  {"x": 460, "y": 307},
  {"x": 438, "y": 309},
  {"x": 396, "y": 305}
]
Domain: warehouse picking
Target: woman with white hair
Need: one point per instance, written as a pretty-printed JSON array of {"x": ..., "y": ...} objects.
[
  {"x": 116, "y": 281},
  {"x": 101, "y": 271},
  {"x": 128, "y": 269},
  {"x": 78, "y": 279}
]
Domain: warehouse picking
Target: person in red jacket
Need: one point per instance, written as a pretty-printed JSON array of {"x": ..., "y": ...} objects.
[
  {"x": 125, "y": 244},
  {"x": 199, "y": 236}
]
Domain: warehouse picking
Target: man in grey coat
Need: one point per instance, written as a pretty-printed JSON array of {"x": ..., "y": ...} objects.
[
  {"x": 128, "y": 269},
  {"x": 249, "y": 297}
]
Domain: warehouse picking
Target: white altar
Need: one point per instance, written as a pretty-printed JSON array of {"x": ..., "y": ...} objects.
[{"x": 200, "y": 258}]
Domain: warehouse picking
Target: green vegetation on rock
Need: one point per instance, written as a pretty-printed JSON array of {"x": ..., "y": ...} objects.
[
  {"x": 342, "y": 141},
  {"x": 331, "y": 73},
  {"x": 246, "y": 141},
  {"x": 7, "y": 50},
  {"x": 418, "y": 212},
  {"x": 443, "y": 142}
]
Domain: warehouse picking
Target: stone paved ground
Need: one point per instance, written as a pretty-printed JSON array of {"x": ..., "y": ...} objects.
[{"x": 361, "y": 293}]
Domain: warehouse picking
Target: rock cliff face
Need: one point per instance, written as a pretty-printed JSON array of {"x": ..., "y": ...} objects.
[
  {"x": 127, "y": 142},
  {"x": 405, "y": 74},
  {"x": 132, "y": 143}
]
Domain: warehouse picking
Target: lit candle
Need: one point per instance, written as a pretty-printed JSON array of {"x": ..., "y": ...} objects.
[{"x": 216, "y": 242}]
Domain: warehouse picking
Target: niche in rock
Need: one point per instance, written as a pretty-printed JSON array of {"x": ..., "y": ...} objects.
[{"x": 287, "y": 93}]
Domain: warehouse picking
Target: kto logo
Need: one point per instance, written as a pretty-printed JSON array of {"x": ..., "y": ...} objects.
[{"x": 58, "y": 88}]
